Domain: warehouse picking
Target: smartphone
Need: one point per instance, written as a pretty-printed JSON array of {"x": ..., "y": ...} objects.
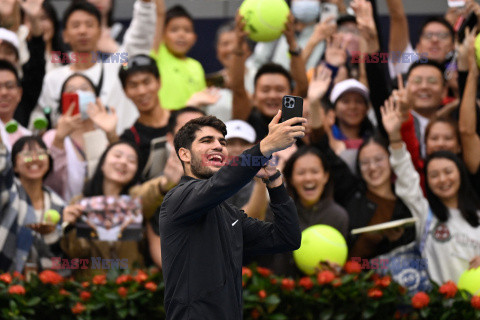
[
  {"x": 470, "y": 22},
  {"x": 328, "y": 10},
  {"x": 292, "y": 107},
  {"x": 84, "y": 99},
  {"x": 456, "y": 3},
  {"x": 67, "y": 99}
]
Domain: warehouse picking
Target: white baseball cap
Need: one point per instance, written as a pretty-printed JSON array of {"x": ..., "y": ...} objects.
[
  {"x": 349, "y": 85},
  {"x": 240, "y": 129},
  {"x": 9, "y": 36}
]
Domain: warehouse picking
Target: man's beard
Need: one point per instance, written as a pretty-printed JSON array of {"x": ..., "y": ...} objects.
[{"x": 199, "y": 169}]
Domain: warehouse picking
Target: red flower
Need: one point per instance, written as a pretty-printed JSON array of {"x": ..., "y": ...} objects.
[
  {"x": 273, "y": 281},
  {"x": 141, "y": 276},
  {"x": 6, "y": 277},
  {"x": 383, "y": 282},
  {"x": 85, "y": 295},
  {"x": 78, "y": 308},
  {"x": 420, "y": 300},
  {"x": 449, "y": 289},
  {"x": 16, "y": 289},
  {"x": 337, "y": 282},
  {"x": 306, "y": 283},
  {"x": 122, "y": 292},
  {"x": 475, "y": 302},
  {"x": 85, "y": 284},
  {"x": 246, "y": 271},
  {"x": 49, "y": 276},
  {"x": 264, "y": 272},
  {"x": 64, "y": 292},
  {"x": 151, "y": 286},
  {"x": 99, "y": 279},
  {"x": 262, "y": 294},
  {"x": 288, "y": 284},
  {"x": 325, "y": 276},
  {"x": 374, "y": 293},
  {"x": 123, "y": 278},
  {"x": 18, "y": 275},
  {"x": 352, "y": 267}
]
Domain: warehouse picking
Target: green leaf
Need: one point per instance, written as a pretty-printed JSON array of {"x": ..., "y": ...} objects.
[
  {"x": 112, "y": 296},
  {"x": 34, "y": 301},
  {"x": 272, "y": 300},
  {"x": 368, "y": 313},
  {"x": 424, "y": 313},
  {"x": 122, "y": 313},
  {"x": 278, "y": 316},
  {"x": 326, "y": 314}
]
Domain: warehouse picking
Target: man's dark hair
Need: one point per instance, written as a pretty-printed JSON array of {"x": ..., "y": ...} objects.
[
  {"x": 177, "y": 11},
  {"x": 94, "y": 186},
  {"x": 229, "y": 26},
  {"x": 274, "y": 68},
  {"x": 186, "y": 135},
  {"x": 172, "y": 120},
  {"x": 81, "y": 6},
  {"x": 7, "y": 66},
  {"x": 427, "y": 62},
  {"x": 136, "y": 64},
  {"x": 31, "y": 142},
  {"x": 346, "y": 18},
  {"x": 468, "y": 202},
  {"x": 442, "y": 21}
]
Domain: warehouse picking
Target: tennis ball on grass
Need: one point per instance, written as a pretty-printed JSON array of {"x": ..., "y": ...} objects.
[
  {"x": 51, "y": 216},
  {"x": 265, "y": 19},
  {"x": 320, "y": 243}
]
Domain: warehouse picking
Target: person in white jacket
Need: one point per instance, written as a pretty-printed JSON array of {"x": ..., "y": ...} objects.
[{"x": 452, "y": 244}]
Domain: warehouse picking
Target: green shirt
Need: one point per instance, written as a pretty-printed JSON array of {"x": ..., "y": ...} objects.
[{"x": 180, "y": 78}]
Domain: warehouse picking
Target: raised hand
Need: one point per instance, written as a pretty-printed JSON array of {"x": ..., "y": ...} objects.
[
  {"x": 323, "y": 30},
  {"x": 66, "y": 125},
  {"x": 289, "y": 32},
  {"x": 392, "y": 119},
  {"x": 240, "y": 33},
  {"x": 173, "y": 171},
  {"x": 336, "y": 53},
  {"x": 401, "y": 96},
  {"x": 283, "y": 156},
  {"x": 463, "y": 56},
  {"x": 320, "y": 83},
  {"x": 474, "y": 263},
  {"x": 204, "y": 98},
  {"x": 32, "y": 8},
  {"x": 7, "y": 8},
  {"x": 366, "y": 24},
  {"x": 107, "y": 121}
]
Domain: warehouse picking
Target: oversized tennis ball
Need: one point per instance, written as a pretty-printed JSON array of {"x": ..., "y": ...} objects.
[
  {"x": 470, "y": 281},
  {"x": 51, "y": 216},
  {"x": 265, "y": 19},
  {"x": 320, "y": 243},
  {"x": 477, "y": 49}
]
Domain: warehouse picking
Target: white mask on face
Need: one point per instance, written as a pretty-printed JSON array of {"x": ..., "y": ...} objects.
[{"x": 306, "y": 10}]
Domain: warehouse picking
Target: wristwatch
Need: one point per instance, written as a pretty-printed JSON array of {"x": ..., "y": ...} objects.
[
  {"x": 272, "y": 177},
  {"x": 296, "y": 52}
]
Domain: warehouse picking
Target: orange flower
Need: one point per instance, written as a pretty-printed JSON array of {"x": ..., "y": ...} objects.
[
  {"x": 49, "y": 276},
  {"x": 325, "y": 277},
  {"x": 337, "y": 282},
  {"x": 16, "y": 289},
  {"x": 352, "y": 267},
  {"x": 264, "y": 272},
  {"x": 141, "y": 276},
  {"x": 374, "y": 293},
  {"x": 18, "y": 275},
  {"x": 64, "y": 292},
  {"x": 420, "y": 300},
  {"x": 99, "y": 279},
  {"x": 151, "y": 286},
  {"x": 383, "y": 282},
  {"x": 288, "y": 284},
  {"x": 85, "y": 295},
  {"x": 262, "y": 294},
  {"x": 475, "y": 302},
  {"x": 448, "y": 289},
  {"x": 78, "y": 308},
  {"x": 306, "y": 283},
  {"x": 6, "y": 277},
  {"x": 246, "y": 271},
  {"x": 85, "y": 284},
  {"x": 122, "y": 292},
  {"x": 123, "y": 278}
]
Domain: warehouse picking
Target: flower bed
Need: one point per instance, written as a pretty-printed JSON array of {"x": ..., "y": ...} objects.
[{"x": 330, "y": 294}]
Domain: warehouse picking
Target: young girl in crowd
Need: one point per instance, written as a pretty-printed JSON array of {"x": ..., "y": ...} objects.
[
  {"x": 25, "y": 200},
  {"x": 450, "y": 212}
]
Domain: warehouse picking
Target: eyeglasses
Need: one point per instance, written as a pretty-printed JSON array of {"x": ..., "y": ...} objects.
[
  {"x": 138, "y": 61},
  {"x": 378, "y": 161},
  {"x": 439, "y": 35},
  {"x": 9, "y": 85},
  {"x": 430, "y": 80},
  {"x": 28, "y": 156}
]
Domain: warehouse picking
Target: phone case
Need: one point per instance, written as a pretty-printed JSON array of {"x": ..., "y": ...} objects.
[
  {"x": 292, "y": 107},
  {"x": 67, "y": 99}
]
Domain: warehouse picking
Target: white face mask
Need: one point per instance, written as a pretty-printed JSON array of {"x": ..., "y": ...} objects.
[{"x": 306, "y": 10}]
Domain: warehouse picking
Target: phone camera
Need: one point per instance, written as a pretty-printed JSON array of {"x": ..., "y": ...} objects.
[{"x": 289, "y": 102}]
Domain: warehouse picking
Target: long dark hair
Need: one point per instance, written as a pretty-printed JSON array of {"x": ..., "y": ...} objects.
[
  {"x": 94, "y": 186},
  {"x": 288, "y": 170},
  {"x": 30, "y": 141},
  {"x": 57, "y": 42},
  {"x": 468, "y": 202}
]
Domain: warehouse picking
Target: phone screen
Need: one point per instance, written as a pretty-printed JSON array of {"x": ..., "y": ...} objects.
[{"x": 329, "y": 10}]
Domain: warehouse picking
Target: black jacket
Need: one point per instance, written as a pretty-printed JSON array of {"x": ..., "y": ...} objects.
[{"x": 204, "y": 240}]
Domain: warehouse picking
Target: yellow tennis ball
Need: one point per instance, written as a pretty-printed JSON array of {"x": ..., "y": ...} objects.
[
  {"x": 320, "y": 243},
  {"x": 265, "y": 19},
  {"x": 51, "y": 216},
  {"x": 477, "y": 49},
  {"x": 470, "y": 281}
]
